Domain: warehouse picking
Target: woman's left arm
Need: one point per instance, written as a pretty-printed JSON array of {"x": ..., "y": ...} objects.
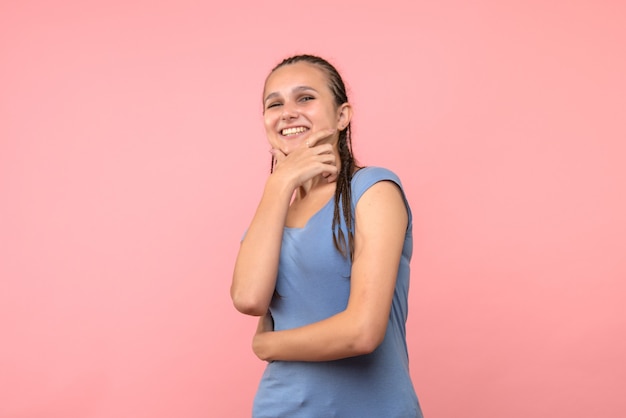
[{"x": 381, "y": 220}]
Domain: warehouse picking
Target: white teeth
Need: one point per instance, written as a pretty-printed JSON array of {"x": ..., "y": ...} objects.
[{"x": 293, "y": 131}]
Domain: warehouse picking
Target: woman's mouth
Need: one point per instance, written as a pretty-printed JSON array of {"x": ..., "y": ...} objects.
[{"x": 293, "y": 131}]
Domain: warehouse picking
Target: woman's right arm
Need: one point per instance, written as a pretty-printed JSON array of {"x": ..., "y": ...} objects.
[{"x": 254, "y": 278}]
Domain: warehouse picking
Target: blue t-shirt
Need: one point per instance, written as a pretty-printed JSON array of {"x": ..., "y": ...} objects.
[{"x": 314, "y": 283}]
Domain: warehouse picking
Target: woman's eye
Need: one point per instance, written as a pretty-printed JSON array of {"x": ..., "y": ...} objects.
[
  {"x": 306, "y": 98},
  {"x": 269, "y": 106}
]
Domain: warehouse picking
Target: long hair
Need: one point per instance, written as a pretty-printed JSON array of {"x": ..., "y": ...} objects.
[{"x": 343, "y": 192}]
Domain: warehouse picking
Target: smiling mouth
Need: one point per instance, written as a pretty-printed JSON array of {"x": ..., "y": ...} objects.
[{"x": 293, "y": 131}]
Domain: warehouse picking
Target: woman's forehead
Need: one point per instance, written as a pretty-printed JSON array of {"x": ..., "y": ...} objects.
[{"x": 294, "y": 75}]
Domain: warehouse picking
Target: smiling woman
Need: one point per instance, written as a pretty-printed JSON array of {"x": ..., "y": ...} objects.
[{"x": 325, "y": 261}]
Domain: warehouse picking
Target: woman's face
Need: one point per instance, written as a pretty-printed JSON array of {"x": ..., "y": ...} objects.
[{"x": 298, "y": 102}]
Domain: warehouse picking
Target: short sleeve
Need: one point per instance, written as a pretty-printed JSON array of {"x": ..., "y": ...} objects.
[{"x": 368, "y": 176}]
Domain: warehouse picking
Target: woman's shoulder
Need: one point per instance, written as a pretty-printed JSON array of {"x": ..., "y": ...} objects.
[
  {"x": 366, "y": 177},
  {"x": 372, "y": 174}
]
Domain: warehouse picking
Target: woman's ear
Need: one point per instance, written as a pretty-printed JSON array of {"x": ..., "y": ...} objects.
[{"x": 345, "y": 115}]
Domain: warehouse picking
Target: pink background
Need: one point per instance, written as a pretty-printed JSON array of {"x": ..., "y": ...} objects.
[{"x": 132, "y": 156}]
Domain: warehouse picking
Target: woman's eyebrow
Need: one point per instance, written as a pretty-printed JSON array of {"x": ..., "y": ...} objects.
[
  {"x": 300, "y": 88},
  {"x": 294, "y": 90},
  {"x": 270, "y": 96}
]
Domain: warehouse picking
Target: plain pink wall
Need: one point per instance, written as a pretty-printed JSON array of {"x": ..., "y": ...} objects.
[{"x": 132, "y": 156}]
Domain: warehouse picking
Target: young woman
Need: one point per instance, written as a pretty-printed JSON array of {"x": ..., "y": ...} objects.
[{"x": 325, "y": 261}]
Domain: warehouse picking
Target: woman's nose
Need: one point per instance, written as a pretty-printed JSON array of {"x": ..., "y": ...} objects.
[{"x": 289, "y": 112}]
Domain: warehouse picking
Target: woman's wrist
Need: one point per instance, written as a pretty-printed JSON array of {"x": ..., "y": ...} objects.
[{"x": 279, "y": 187}]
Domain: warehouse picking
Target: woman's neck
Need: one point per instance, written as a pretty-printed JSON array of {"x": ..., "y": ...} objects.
[{"x": 317, "y": 183}]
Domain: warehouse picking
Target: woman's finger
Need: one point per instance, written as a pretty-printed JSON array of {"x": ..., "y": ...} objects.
[
  {"x": 319, "y": 135},
  {"x": 278, "y": 156}
]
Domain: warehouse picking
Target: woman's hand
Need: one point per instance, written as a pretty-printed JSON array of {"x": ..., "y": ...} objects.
[
  {"x": 307, "y": 161},
  {"x": 265, "y": 325}
]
